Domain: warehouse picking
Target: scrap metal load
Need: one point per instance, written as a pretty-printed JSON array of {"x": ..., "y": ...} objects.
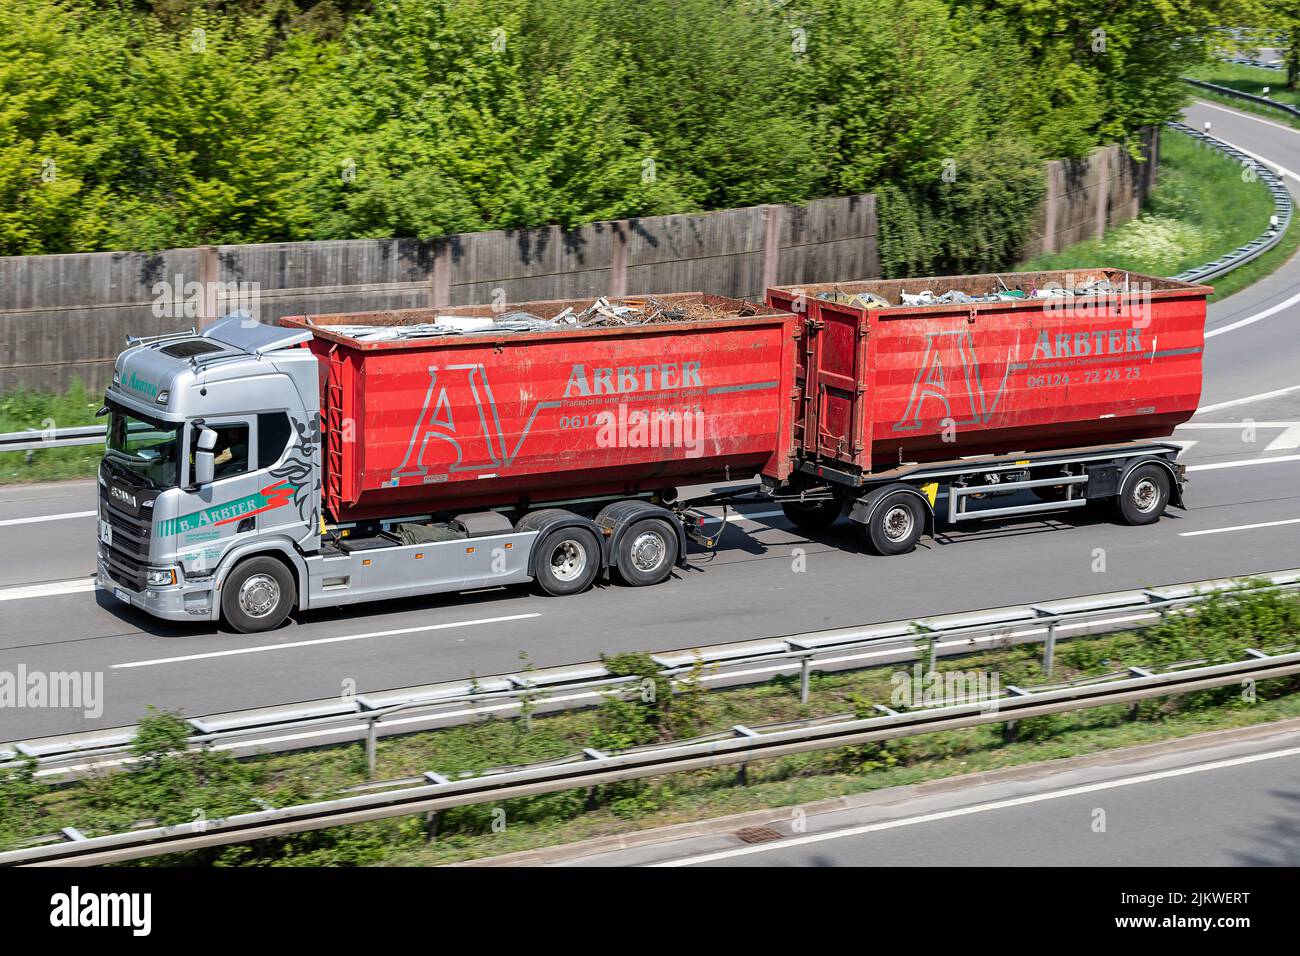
[
  {"x": 638, "y": 310},
  {"x": 991, "y": 364},
  {"x": 543, "y": 401}
]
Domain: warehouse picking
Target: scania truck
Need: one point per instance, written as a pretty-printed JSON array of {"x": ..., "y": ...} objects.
[{"x": 254, "y": 469}]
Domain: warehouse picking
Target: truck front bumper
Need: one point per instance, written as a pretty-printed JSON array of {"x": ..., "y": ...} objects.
[{"x": 191, "y": 601}]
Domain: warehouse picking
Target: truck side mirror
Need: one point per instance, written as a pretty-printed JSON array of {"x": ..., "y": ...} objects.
[{"x": 204, "y": 461}]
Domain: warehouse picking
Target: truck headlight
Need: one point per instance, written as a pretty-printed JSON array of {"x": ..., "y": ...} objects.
[{"x": 160, "y": 577}]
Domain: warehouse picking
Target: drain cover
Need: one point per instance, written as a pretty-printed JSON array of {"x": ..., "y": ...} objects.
[{"x": 758, "y": 834}]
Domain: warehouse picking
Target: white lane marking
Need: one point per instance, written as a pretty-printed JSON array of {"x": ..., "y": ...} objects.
[
  {"x": 1252, "y": 319},
  {"x": 1247, "y": 400},
  {"x": 324, "y": 640},
  {"x": 1239, "y": 527},
  {"x": 1290, "y": 437},
  {"x": 1245, "y": 115},
  {"x": 1216, "y": 465},
  {"x": 981, "y": 808},
  {"x": 38, "y": 518},
  {"x": 52, "y": 589},
  {"x": 1277, "y": 167}
]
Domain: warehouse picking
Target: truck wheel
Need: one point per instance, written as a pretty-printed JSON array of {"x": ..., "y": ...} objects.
[
  {"x": 257, "y": 596},
  {"x": 812, "y": 515},
  {"x": 1146, "y": 492},
  {"x": 568, "y": 560},
  {"x": 896, "y": 524},
  {"x": 646, "y": 553}
]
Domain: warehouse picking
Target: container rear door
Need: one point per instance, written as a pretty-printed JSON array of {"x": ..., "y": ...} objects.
[{"x": 835, "y": 391}]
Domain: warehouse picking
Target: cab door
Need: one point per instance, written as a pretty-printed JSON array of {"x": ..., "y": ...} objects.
[{"x": 209, "y": 520}]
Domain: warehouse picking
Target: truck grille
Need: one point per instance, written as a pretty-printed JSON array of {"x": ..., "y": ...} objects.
[{"x": 128, "y": 556}]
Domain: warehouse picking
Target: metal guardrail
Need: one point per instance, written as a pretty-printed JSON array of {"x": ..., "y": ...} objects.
[
  {"x": 1281, "y": 220},
  {"x": 35, "y": 438},
  {"x": 369, "y": 716},
  {"x": 1247, "y": 61},
  {"x": 590, "y": 768},
  {"x": 1240, "y": 95}
]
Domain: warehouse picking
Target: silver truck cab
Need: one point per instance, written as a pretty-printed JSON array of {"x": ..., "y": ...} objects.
[{"x": 212, "y": 450}]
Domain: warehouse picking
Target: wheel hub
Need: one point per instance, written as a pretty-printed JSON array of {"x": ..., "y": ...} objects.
[
  {"x": 898, "y": 523},
  {"x": 648, "y": 551},
  {"x": 568, "y": 560},
  {"x": 1145, "y": 495},
  {"x": 259, "y": 595}
]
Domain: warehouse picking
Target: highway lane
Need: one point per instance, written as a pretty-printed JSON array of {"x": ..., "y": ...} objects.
[
  {"x": 751, "y": 588},
  {"x": 1222, "y": 803},
  {"x": 53, "y": 548}
]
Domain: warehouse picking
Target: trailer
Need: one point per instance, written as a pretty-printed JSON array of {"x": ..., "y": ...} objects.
[
  {"x": 336, "y": 459},
  {"x": 1059, "y": 384}
]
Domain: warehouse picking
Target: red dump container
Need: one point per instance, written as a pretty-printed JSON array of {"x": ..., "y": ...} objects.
[
  {"x": 449, "y": 423},
  {"x": 924, "y": 383}
]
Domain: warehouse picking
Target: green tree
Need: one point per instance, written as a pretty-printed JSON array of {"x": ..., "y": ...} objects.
[{"x": 56, "y": 153}]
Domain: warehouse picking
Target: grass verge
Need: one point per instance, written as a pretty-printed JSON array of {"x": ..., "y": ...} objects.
[
  {"x": 169, "y": 785},
  {"x": 1201, "y": 208},
  {"x": 1247, "y": 79},
  {"x": 21, "y": 411}
]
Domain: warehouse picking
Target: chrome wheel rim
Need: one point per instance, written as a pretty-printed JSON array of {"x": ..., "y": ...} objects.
[
  {"x": 648, "y": 551},
  {"x": 1146, "y": 494},
  {"x": 259, "y": 595},
  {"x": 568, "y": 560},
  {"x": 897, "y": 523}
]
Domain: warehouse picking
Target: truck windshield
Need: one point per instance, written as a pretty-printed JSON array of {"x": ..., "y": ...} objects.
[{"x": 147, "y": 448}]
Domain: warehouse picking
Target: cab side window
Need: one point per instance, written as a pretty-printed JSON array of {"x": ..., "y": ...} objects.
[
  {"x": 273, "y": 432},
  {"x": 230, "y": 452}
]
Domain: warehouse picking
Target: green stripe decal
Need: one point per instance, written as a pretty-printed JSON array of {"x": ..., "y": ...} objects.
[{"x": 272, "y": 496}]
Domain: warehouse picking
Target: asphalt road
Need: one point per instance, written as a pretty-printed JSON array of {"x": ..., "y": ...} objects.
[
  {"x": 1240, "y": 495},
  {"x": 1226, "y": 804}
]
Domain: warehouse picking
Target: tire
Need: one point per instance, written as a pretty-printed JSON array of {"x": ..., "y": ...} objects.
[
  {"x": 258, "y": 595},
  {"x": 812, "y": 515},
  {"x": 646, "y": 553},
  {"x": 896, "y": 525},
  {"x": 568, "y": 560},
  {"x": 1145, "y": 495}
]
